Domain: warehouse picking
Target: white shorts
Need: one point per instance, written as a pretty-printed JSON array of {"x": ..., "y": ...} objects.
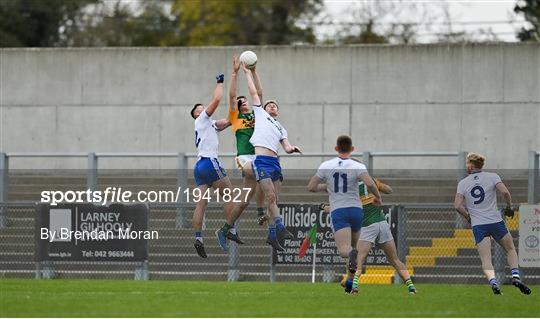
[
  {"x": 376, "y": 233},
  {"x": 241, "y": 160}
]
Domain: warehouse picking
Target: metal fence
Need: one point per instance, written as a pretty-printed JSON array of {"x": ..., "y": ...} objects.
[
  {"x": 437, "y": 246},
  {"x": 182, "y": 166},
  {"x": 438, "y": 251},
  {"x": 434, "y": 250}
]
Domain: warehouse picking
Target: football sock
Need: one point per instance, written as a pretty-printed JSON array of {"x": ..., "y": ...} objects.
[
  {"x": 279, "y": 223},
  {"x": 493, "y": 282},
  {"x": 355, "y": 281},
  {"x": 409, "y": 283},
  {"x": 260, "y": 211},
  {"x": 272, "y": 232},
  {"x": 225, "y": 228},
  {"x": 515, "y": 273},
  {"x": 198, "y": 236}
]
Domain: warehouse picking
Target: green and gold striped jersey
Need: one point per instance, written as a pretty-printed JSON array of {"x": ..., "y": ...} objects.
[
  {"x": 372, "y": 213},
  {"x": 243, "y": 126}
]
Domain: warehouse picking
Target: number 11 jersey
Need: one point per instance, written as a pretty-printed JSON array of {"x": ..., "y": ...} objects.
[{"x": 341, "y": 176}]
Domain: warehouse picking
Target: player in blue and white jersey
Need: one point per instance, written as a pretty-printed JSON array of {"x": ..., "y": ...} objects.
[
  {"x": 339, "y": 178},
  {"x": 476, "y": 200},
  {"x": 208, "y": 172}
]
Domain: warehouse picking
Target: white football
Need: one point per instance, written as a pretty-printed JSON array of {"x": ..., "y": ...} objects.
[{"x": 249, "y": 58}]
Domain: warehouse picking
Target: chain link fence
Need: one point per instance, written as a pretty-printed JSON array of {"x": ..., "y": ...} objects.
[
  {"x": 435, "y": 243},
  {"x": 434, "y": 250},
  {"x": 172, "y": 256}
]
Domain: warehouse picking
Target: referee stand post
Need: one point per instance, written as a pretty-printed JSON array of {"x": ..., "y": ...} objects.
[
  {"x": 181, "y": 185},
  {"x": 91, "y": 172},
  {"x": 401, "y": 242},
  {"x": 272, "y": 272},
  {"x": 532, "y": 187},
  {"x": 4, "y": 167},
  {"x": 233, "y": 274},
  {"x": 499, "y": 262},
  {"x": 461, "y": 223},
  {"x": 367, "y": 159}
]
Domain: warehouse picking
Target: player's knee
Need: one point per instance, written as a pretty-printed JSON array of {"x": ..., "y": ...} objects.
[{"x": 344, "y": 251}]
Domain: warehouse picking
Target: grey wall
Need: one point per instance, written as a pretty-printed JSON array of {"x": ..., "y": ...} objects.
[{"x": 482, "y": 98}]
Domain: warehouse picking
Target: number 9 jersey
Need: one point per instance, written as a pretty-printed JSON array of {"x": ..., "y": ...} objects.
[
  {"x": 341, "y": 176},
  {"x": 480, "y": 192}
]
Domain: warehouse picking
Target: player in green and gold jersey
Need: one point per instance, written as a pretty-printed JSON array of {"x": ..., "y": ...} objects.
[
  {"x": 242, "y": 122},
  {"x": 375, "y": 229}
]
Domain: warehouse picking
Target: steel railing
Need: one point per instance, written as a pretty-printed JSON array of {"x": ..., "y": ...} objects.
[{"x": 182, "y": 165}]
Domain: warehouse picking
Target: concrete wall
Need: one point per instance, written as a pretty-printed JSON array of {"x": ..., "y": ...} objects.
[{"x": 483, "y": 98}]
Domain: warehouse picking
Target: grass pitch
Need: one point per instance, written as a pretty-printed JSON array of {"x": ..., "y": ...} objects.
[{"x": 108, "y": 298}]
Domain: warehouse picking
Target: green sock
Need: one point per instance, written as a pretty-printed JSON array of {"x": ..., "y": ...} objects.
[
  {"x": 409, "y": 283},
  {"x": 225, "y": 228},
  {"x": 355, "y": 281},
  {"x": 260, "y": 211}
]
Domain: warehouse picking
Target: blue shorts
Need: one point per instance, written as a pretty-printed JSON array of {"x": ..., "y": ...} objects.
[
  {"x": 495, "y": 230},
  {"x": 267, "y": 167},
  {"x": 207, "y": 171},
  {"x": 347, "y": 217}
]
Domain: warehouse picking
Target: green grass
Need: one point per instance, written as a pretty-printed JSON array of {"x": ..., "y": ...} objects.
[{"x": 108, "y": 298}]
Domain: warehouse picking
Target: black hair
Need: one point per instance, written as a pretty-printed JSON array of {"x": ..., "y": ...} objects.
[
  {"x": 268, "y": 102},
  {"x": 344, "y": 144},
  {"x": 238, "y": 102},
  {"x": 193, "y": 109}
]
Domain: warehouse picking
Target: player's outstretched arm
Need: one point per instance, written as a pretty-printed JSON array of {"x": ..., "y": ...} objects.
[
  {"x": 234, "y": 83},
  {"x": 505, "y": 194},
  {"x": 218, "y": 94},
  {"x": 258, "y": 84},
  {"x": 288, "y": 148},
  {"x": 316, "y": 185},
  {"x": 384, "y": 188},
  {"x": 459, "y": 200},
  {"x": 372, "y": 188},
  {"x": 222, "y": 124},
  {"x": 251, "y": 86}
]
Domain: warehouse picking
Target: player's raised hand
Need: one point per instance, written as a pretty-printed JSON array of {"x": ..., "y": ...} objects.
[
  {"x": 244, "y": 67},
  {"x": 235, "y": 64}
]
